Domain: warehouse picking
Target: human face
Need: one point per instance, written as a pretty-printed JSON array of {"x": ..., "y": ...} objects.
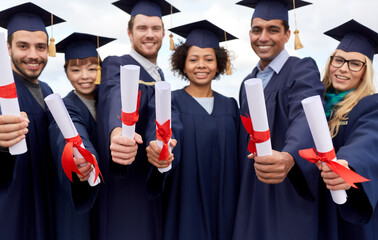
[
  {"x": 344, "y": 79},
  {"x": 29, "y": 53},
  {"x": 201, "y": 66},
  {"x": 146, "y": 36},
  {"x": 82, "y": 78},
  {"x": 268, "y": 39}
]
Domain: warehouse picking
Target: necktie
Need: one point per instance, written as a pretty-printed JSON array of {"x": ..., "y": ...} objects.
[{"x": 161, "y": 74}]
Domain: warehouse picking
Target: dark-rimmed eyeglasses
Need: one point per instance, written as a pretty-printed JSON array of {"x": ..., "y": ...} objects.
[{"x": 353, "y": 64}]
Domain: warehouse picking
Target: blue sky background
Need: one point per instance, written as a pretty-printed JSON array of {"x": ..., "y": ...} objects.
[{"x": 100, "y": 17}]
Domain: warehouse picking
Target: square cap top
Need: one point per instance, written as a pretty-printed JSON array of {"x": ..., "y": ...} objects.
[
  {"x": 202, "y": 34},
  {"x": 355, "y": 37},
  {"x": 272, "y": 9},
  {"x": 149, "y": 8},
  {"x": 81, "y": 45},
  {"x": 27, "y": 16}
]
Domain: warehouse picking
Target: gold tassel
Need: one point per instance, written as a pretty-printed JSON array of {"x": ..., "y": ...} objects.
[
  {"x": 52, "y": 48},
  {"x": 98, "y": 76},
  {"x": 297, "y": 41},
  {"x": 171, "y": 43}
]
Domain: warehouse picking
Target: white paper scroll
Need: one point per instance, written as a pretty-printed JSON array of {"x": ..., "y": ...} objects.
[
  {"x": 129, "y": 95},
  {"x": 257, "y": 111},
  {"x": 63, "y": 120},
  {"x": 163, "y": 111},
  {"x": 9, "y": 106},
  {"x": 317, "y": 121}
]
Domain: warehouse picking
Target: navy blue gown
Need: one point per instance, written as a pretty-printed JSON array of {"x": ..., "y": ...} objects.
[
  {"x": 288, "y": 210},
  {"x": 73, "y": 200},
  {"x": 123, "y": 209},
  {"x": 357, "y": 142},
  {"x": 26, "y": 187},
  {"x": 201, "y": 191}
]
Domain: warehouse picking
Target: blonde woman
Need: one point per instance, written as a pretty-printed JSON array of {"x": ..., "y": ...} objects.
[{"x": 352, "y": 111}]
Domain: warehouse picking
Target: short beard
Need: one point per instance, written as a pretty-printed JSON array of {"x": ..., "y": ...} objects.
[{"x": 24, "y": 74}]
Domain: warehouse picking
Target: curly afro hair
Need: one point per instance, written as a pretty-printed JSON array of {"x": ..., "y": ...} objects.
[{"x": 178, "y": 60}]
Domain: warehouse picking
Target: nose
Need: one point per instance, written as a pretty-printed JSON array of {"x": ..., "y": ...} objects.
[
  {"x": 264, "y": 36},
  {"x": 84, "y": 74},
  {"x": 33, "y": 53},
  {"x": 344, "y": 67}
]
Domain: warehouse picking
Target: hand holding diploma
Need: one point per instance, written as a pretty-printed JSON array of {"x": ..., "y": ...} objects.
[
  {"x": 74, "y": 146},
  {"x": 325, "y": 152},
  {"x": 163, "y": 122},
  {"x": 13, "y": 126},
  {"x": 130, "y": 99},
  {"x": 257, "y": 125}
]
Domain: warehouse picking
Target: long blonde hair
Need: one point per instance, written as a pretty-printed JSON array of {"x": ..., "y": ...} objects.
[{"x": 341, "y": 109}]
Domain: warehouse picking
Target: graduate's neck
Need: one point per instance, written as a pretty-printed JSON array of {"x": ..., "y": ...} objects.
[{"x": 199, "y": 91}]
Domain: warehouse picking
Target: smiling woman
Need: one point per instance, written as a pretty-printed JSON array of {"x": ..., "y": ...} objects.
[{"x": 81, "y": 67}]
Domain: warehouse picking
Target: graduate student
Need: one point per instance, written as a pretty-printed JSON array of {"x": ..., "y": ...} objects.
[
  {"x": 124, "y": 210},
  {"x": 352, "y": 111},
  {"x": 74, "y": 200},
  {"x": 278, "y": 196},
  {"x": 26, "y": 189},
  {"x": 201, "y": 190}
]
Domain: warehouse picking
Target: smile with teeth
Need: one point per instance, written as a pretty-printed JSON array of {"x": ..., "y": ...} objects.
[
  {"x": 264, "y": 47},
  {"x": 342, "y": 77},
  {"x": 149, "y": 44},
  {"x": 85, "y": 85},
  {"x": 32, "y": 65}
]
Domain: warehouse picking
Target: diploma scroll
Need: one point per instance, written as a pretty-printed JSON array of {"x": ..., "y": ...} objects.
[
  {"x": 317, "y": 121},
  {"x": 163, "y": 112},
  {"x": 8, "y": 93},
  {"x": 257, "y": 110},
  {"x": 129, "y": 95},
  {"x": 66, "y": 126}
]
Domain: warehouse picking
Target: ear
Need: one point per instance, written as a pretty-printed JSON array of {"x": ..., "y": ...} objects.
[
  {"x": 287, "y": 36},
  {"x": 9, "y": 49}
]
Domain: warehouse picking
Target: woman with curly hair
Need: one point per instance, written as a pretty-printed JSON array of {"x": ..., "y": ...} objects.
[{"x": 200, "y": 192}]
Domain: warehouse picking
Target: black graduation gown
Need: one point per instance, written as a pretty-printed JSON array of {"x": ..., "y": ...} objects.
[
  {"x": 288, "y": 210},
  {"x": 357, "y": 142},
  {"x": 73, "y": 200},
  {"x": 26, "y": 197},
  {"x": 123, "y": 209},
  {"x": 201, "y": 190}
]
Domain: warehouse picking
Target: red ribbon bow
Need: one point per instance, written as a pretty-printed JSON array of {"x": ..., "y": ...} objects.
[
  {"x": 68, "y": 162},
  {"x": 164, "y": 133},
  {"x": 8, "y": 91},
  {"x": 256, "y": 136},
  {"x": 130, "y": 119},
  {"x": 346, "y": 174}
]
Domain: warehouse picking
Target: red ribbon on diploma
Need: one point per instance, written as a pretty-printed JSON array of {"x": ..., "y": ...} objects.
[
  {"x": 68, "y": 162},
  {"x": 8, "y": 91},
  {"x": 164, "y": 133},
  {"x": 256, "y": 136},
  {"x": 346, "y": 174},
  {"x": 129, "y": 119}
]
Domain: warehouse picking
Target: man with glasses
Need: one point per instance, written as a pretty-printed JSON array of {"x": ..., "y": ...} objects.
[{"x": 278, "y": 192}]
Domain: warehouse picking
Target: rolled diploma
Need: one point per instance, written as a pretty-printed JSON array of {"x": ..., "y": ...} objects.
[
  {"x": 257, "y": 111},
  {"x": 317, "y": 121},
  {"x": 163, "y": 111},
  {"x": 9, "y": 106},
  {"x": 129, "y": 94},
  {"x": 63, "y": 120}
]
